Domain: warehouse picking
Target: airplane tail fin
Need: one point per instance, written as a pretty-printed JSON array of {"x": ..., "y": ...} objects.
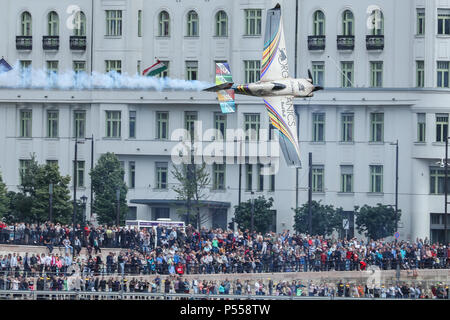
[{"x": 224, "y": 82}]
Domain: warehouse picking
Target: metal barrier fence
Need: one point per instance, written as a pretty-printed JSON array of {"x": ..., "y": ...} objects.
[{"x": 77, "y": 295}]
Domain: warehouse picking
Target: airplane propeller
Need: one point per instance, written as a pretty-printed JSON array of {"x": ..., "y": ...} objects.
[{"x": 311, "y": 80}]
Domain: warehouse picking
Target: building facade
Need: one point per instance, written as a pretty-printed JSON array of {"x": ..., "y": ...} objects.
[{"x": 385, "y": 66}]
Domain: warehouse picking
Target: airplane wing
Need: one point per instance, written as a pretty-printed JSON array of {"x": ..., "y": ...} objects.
[
  {"x": 283, "y": 118},
  {"x": 274, "y": 64}
]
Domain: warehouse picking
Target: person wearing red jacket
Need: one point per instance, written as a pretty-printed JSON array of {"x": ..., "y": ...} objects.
[{"x": 179, "y": 268}]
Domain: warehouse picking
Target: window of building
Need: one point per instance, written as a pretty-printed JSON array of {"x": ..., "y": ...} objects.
[
  {"x": 347, "y": 127},
  {"x": 113, "y": 65},
  {"x": 441, "y": 127},
  {"x": 79, "y": 66},
  {"x": 420, "y": 22},
  {"x": 260, "y": 184},
  {"x": 161, "y": 213},
  {"x": 192, "y": 24},
  {"x": 347, "y": 74},
  {"x": 164, "y": 24},
  {"x": 253, "y": 22},
  {"x": 443, "y": 21},
  {"x": 251, "y": 126},
  {"x": 80, "y": 173},
  {"x": 191, "y": 70},
  {"x": 420, "y": 74},
  {"x": 318, "y": 179},
  {"x": 348, "y": 23},
  {"x": 52, "y": 70},
  {"x": 52, "y": 123},
  {"x": 318, "y": 134},
  {"x": 221, "y": 24},
  {"x": 218, "y": 176},
  {"x": 421, "y": 127},
  {"x": 252, "y": 70},
  {"x": 249, "y": 177},
  {"x": 165, "y": 73},
  {"x": 377, "y": 26},
  {"x": 376, "y": 127},
  {"x": 52, "y": 162},
  {"x": 113, "y": 22},
  {"x": 132, "y": 124},
  {"x": 25, "y": 24},
  {"x": 113, "y": 124},
  {"x": 443, "y": 70},
  {"x": 25, "y": 123},
  {"x": 437, "y": 181},
  {"x": 53, "y": 24},
  {"x": 190, "y": 121},
  {"x": 132, "y": 175},
  {"x": 162, "y": 125},
  {"x": 80, "y": 123},
  {"x": 318, "y": 23},
  {"x": 220, "y": 125},
  {"x": 376, "y": 179},
  {"x": 346, "y": 178},
  {"x": 139, "y": 23},
  {"x": 24, "y": 165},
  {"x": 80, "y": 24},
  {"x": 25, "y": 72},
  {"x": 272, "y": 183},
  {"x": 318, "y": 72},
  {"x": 376, "y": 74},
  {"x": 161, "y": 175}
]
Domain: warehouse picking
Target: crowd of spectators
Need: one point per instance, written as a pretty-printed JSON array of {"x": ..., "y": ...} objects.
[
  {"x": 206, "y": 251},
  {"x": 177, "y": 284}
]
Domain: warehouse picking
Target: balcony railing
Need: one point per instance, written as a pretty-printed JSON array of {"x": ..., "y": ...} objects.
[
  {"x": 24, "y": 42},
  {"x": 316, "y": 42},
  {"x": 78, "y": 43},
  {"x": 345, "y": 42},
  {"x": 374, "y": 42},
  {"x": 50, "y": 42}
]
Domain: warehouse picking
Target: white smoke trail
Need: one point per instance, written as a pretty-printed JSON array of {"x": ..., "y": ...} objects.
[{"x": 18, "y": 78}]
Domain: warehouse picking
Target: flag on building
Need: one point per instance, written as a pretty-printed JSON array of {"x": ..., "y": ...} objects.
[
  {"x": 155, "y": 69},
  {"x": 4, "y": 66}
]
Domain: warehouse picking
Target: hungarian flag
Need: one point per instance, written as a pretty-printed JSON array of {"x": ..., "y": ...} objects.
[
  {"x": 155, "y": 69},
  {"x": 4, "y": 66}
]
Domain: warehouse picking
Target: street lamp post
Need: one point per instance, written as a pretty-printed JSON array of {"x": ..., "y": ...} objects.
[
  {"x": 446, "y": 189},
  {"x": 252, "y": 220},
  {"x": 50, "y": 192},
  {"x": 396, "y": 184},
  {"x": 83, "y": 201},
  {"x": 118, "y": 206}
]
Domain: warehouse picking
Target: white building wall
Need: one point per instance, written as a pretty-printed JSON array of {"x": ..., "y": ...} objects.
[{"x": 402, "y": 48}]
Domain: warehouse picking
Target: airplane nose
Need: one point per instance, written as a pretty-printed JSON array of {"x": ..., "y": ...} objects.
[{"x": 317, "y": 88}]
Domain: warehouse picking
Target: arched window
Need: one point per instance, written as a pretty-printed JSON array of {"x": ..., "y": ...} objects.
[
  {"x": 25, "y": 24},
  {"x": 79, "y": 24},
  {"x": 319, "y": 23},
  {"x": 53, "y": 24},
  {"x": 348, "y": 23},
  {"x": 221, "y": 24},
  {"x": 377, "y": 23},
  {"x": 164, "y": 23},
  {"x": 192, "y": 24}
]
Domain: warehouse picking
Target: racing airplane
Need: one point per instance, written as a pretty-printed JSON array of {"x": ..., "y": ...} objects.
[{"x": 275, "y": 87}]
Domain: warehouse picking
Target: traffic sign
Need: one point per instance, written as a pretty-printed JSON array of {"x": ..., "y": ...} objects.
[{"x": 397, "y": 235}]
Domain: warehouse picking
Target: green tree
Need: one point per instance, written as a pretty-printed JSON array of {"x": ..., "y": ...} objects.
[
  {"x": 324, "y": 219},
  {"x": 62, "y": 207},
  {"x": 31, "y": 204},
  {"x": 4, "y": 201},
  {"x": 376, "y": 222},
  {"x": 262, "y": 217},
  {"x": 107, "y": 177},
  {"x": 193, "y": 181}
]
